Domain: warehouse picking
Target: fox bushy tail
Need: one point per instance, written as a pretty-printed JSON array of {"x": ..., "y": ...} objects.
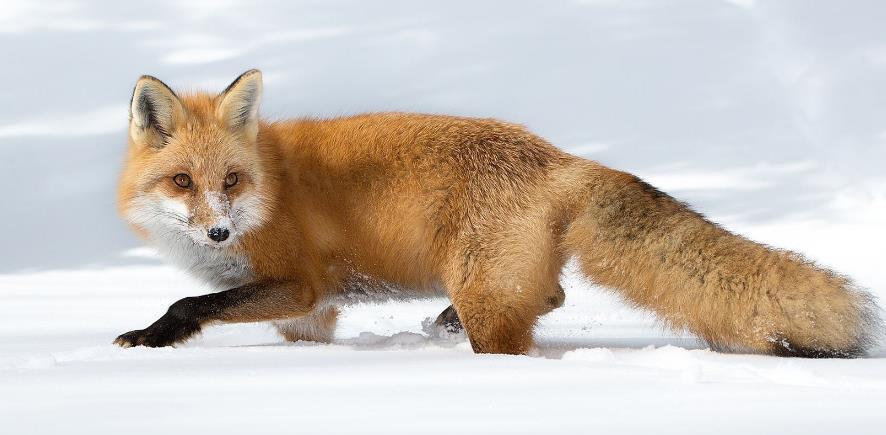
[{"x": 736, "y": 294}]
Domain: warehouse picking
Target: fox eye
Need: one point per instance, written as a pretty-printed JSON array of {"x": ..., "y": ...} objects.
[
  {"x": 231, "y": 179},
  {"x": 182, "y": 180}
]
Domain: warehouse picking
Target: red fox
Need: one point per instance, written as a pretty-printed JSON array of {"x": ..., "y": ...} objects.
[{"x": 291, "y": 219}]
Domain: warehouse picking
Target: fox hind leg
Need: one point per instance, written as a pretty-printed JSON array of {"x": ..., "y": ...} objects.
[
  {"x": 448, "y": 319},
  {"x": 493, "y": 322},
  {"x": 499, "y": 305}
]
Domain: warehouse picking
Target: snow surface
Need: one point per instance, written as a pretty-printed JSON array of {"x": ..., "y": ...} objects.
[
  {"x": 598, "y": 367},
  {"x": 766, "y": 116}
]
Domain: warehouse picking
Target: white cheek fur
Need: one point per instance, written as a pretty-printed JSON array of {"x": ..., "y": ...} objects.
[
  {"x": 158, "y": 214},
  {"x": 249, "y": 212},
  {"x": 175, "y": 207}
]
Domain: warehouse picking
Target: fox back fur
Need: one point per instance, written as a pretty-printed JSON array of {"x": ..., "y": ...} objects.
[{"x": 478, "y": 209}]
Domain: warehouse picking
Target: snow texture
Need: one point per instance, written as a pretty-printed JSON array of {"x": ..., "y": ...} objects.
[
  {"x": 765, "y": 116},
  {"x": 598, "y": 367}
]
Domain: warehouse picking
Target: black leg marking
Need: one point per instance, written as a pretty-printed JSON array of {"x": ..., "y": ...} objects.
[
  {"x": 250, "y": 303},
  {"x": 449, "y": 321},
  {"x": 178, "y": 324}
]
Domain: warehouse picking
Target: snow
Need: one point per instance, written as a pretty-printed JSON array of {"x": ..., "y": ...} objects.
[
  {"x": 598, "y": 366},
  {"x": 765, "y": 116}
]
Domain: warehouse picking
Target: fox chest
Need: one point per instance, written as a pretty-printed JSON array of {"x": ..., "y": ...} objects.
[{"x": 219, "y": 268}]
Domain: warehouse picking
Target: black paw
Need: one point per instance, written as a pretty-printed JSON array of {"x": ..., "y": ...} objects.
[
  {"x": 449, "y": 321},
  {"x": 163, "y": 332}
]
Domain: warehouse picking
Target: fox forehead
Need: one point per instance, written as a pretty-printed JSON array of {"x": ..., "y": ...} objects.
[
  {"x": 200, "y": 108},
  {"x": 201, "y": 144},
  {"x": 201, "y": 131},
  {"x": 204, "y": 150}
]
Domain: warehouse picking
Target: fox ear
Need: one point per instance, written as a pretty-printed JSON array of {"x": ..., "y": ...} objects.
[
  {"x": 153, "y": 111},
  {"x": 238, "y": 105}
]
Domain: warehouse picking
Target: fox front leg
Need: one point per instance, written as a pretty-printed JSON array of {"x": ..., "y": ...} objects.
[{"x": 250, "y": 303}]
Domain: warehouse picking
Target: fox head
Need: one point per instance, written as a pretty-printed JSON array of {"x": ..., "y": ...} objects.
[{"x": 194, "y": 171}]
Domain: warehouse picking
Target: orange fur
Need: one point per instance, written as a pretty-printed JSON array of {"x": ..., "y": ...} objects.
[{"x": 488, "y": 212}]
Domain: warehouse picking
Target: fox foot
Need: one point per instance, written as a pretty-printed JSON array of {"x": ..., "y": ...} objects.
[
  {"x": 448, "y": 321},
  {"x": 166, "y": 331}
]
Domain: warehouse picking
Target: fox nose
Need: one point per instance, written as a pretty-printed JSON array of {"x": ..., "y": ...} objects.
[{"x": 219, "y": 234}]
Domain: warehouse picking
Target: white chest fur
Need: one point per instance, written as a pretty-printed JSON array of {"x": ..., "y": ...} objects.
[{"x": 219, "y": 268}]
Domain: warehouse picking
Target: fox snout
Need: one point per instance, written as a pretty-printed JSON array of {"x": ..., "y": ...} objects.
[
  {"x": 213, "y": 229},
  {"x": 218, "y": 234},
  {"x": 213, "y": 215}
]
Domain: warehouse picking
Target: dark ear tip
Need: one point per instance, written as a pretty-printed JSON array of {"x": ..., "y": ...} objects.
[
  {"x": 147, "y": 77},
  {"x": 251, "y": 73}
]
